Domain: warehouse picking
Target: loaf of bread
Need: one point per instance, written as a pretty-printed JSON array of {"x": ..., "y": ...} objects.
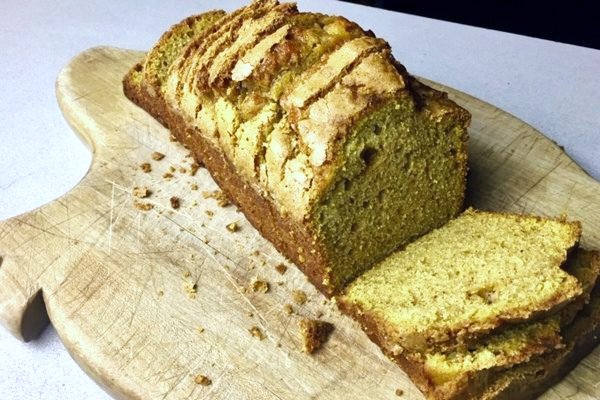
[
  {"x": 339, "y": 157},
  {"x": 306, "y": 121}
]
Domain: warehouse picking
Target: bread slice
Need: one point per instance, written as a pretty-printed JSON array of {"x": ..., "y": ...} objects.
[
  {"x": 469, "y": 371},
  {"x": 312, "y": 128},
  {"x": 530, "y": 380},
  {"x": 479, "y": 271}
]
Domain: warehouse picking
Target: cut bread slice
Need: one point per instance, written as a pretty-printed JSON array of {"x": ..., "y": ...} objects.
[
  {"x": 461, "y": 281},
  {"x": 453, "y": 373},
  {"x": 530, "y": 380},
  {"x": 467, "y": 371}
]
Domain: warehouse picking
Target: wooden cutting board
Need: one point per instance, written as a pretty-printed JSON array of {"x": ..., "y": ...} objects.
[{"x": 116, "y": 280}]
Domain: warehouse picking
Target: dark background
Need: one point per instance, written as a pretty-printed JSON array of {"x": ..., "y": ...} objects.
[{"x": 574, "y": 22}]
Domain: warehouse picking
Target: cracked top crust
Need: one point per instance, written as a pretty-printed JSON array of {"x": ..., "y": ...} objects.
[{"x": 279, "y": 90}]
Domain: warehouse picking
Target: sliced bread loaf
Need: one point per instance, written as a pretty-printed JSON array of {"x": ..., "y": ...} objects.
[
  {"x": 310, "y": 126},
  {"x": 479, "y": 271}
]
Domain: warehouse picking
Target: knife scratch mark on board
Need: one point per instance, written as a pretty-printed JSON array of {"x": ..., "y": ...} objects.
[{"x": 110, "y": 227}]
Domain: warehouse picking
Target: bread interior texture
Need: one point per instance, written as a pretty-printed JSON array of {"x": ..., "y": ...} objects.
[{"x": 400, "y": 178}]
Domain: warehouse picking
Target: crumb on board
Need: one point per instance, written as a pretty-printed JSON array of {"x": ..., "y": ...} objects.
[
  {"x": 182, "y": 170},
  {"x": 233, "y": 227},
  {"x": 187, "y": 274},
  {"x": 200, "y": 329},
  {"x": 143, "y": 206},
  {"x": 314, "y": 334},
  {"x": 399, "y": 392},
  {"x": 281, "y": 268},
  {"x": 175, "y": 202},
  {"x": 219, "y": 196},
  {"x": 289, "y": 310},
  {"x": 167, "y": 176},
  {"x": 202, "y": 380},
  {"x": 299, "y": 297},
  {"x": 256, "y": 253},
  {"x": 209, "y": 213},
  {"x": 141, "y": 192},
  {"x": 161, "y": 293},
  {"x": 194, "y": 186},
  {"x": 194, "y": 168},
  {"x": 190, "y": 288},
  {"x": 172, "y": 138},
  {"x": 257, "y": 333},
  {"x": 146, "y": 167},
  {"x": 171, "y": 169},
  {"x": 260, "y": 286},
  {"x": 156, "y": 156}
]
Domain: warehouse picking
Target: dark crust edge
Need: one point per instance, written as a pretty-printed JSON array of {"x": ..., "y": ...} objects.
[
  {"x": 529, "y": 380},
  {"x": 293, "y": 239}
]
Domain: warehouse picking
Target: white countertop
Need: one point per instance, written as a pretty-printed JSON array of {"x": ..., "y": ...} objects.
[{"x": 554, "y": 87}]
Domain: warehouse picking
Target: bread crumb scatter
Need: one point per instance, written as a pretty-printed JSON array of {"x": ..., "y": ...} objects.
[
  {"x": 233, "y": 227},
  {"x": 314, "y": 334},
  {"x": 171, "y": 169},
  {"x": 209, "y": 213},
  {"x": 219, "y": 196},
  {"x": 141, "y": 192},
  {"x": 200, "y": 329},
  {"x": 194, "y": 168},
  {"x": 257, "y": 333},
  {"x": 175, "y": 202},
  {"x": 156, "y": 156},
  {"x": 143, "y": 206},
  {"x": 182, "y": 170},
  {"x": 167, "y": 176},
  {"x": 281, "y": 268},
  {"x": 299, "y": 297},
  {"x": 146, "y": 167},
  {"x": 260, "y": 286},
  {"x": 289, "y": 310},
  {"x": 194, "y": 186},
  {"x": 399, "y": 392},
  {"x": 202, "y": 380},
  {"x": 187, "y": 274}
]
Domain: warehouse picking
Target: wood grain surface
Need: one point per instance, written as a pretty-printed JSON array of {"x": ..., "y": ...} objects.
[{"x": 116, "y": 280}]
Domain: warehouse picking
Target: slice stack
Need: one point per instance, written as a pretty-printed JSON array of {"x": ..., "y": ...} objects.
[{"x": 474, "y": 306}]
